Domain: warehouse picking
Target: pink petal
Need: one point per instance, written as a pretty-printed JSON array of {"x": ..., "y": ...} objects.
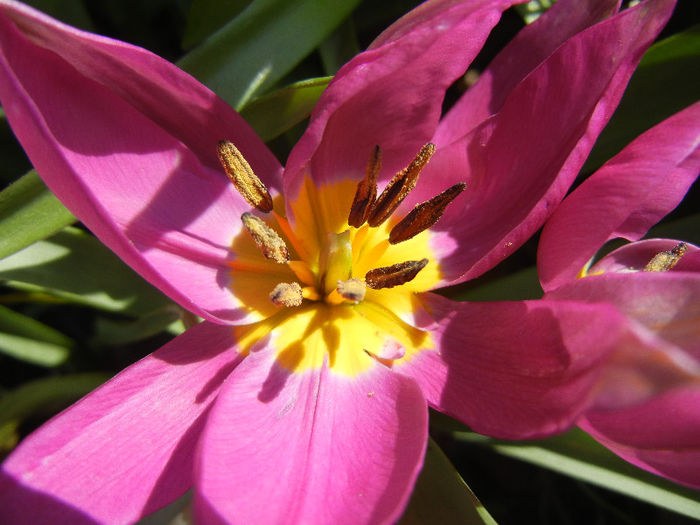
[
  {"x": 513, "y": 370},
  {"x": 519, "y": 163},
  {"x": 310, "y": 448},
  {"x": 524, "y": 53},
  {"x": 391, "y": 95},
  {"x": 665, "y": 303},
  {"x": 126, "y": 449},
  {"x": 128, "y": 142},
  {"x": 661, "y": 435},
  {"x": 624, "y": 198}
]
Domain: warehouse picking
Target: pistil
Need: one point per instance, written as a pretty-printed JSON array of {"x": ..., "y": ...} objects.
[{"x": 336, "y": 261}]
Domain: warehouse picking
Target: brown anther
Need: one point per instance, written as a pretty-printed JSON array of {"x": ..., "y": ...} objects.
[
  {"x": 664, "y": 261},
  {"x": 352, "y": 290},
  {"x": 424, "y": 215},
  {"x": 394, "y": 275},
  {"x": 286, "y": 294},
  {"x": 271, "y": 244},
  {"x": 400, "y": 186},
  {"x": 366, "y": 191},
  {"x": 243, "y": 178}
]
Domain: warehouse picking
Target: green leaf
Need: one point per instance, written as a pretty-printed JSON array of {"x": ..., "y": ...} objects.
[
  {"x": 533, "y": 9},
  {"x": 111, "y": 332},
  {"x": 442, "y": 496},
  {"x": 12, "y": 322},
  {"x": 206, "y": 16},
  {"x": 254, "y": 50},
  {"x": 43, "y": 397},
  {"x": 29, "y": 212},
  {"x": 666, "y": 81},
  {"x": 339, "y": 47},
  {"x": 579, "y": 456},
  {"x": 75, "y": 266},
  {"x": 685, "y": 229},
  {"x": 32, "y": 351},
  {"x": 71, "y": 12},
  {"x": 518, "y": 286},
  {"x": 273, "y": 114}
]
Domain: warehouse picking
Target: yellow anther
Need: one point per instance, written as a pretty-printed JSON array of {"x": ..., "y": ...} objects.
[
  {"x": 664, "y": 261},
  {"x": 352, "y": 290},
  {"x": 243, "y": 178},
  {"x": 286, "y": 294},
  {"x": 271, "y": 244}
]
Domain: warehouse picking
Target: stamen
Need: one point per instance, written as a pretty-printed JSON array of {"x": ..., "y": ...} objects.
[
  {"x": 399, "y": 187},
  {"x": 366, "y": 191},
  {"x": 664, "y": 261},
  {"x": 352, "y": 290},
  {"x": 286, "y": 294},
  {"x": 271, "y": 244},
  {"x": 390, "y": 276},
  {"x": 424, "y": 215},
  {"x": 243, "y": 178}
]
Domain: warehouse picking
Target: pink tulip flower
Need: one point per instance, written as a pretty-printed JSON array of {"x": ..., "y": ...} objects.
[
  {"x": 646, "y": 407},
  {"x": 303, "y": 396}
]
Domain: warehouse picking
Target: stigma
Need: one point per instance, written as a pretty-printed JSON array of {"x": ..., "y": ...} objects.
[{"x": 338, "y": 257}]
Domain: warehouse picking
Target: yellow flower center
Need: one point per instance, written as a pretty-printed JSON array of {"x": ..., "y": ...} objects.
[{"x": 334, "y": 280}]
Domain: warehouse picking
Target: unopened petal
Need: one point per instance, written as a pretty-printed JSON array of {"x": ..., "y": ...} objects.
[{"x": 624, "y": 198}]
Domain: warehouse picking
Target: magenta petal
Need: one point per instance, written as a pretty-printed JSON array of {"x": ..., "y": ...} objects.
[
  {"x": 519, "y": 163},
  {"x": 391, "y": 95},
  {"x": 624, "y": 198},
  {"x": 128, "y": 143},
  {"x": 666, "y": 304},
  {"x": 661, "y": 435},
  {"x": 126, "y": 449},
  {"x": 524, "y": 53},
  {"x": 165, "y": 94},
  {"x": 312, "y": 447},
  {"x": 514, "y": 370}
]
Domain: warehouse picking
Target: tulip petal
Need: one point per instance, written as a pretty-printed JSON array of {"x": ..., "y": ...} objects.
[
  {"x": 310, "y": 448},
  {"x": 126, "y": 449},
  {"x": 624, "y": 198},
  {"x": 519, "y": 163},
  {"x": 665, "y": 303},
  {"x": 661, "y": 435},
  {"x": 391, "y": 95},
  {"x": 531, "y": 46},
  {"x": 513, "y": 370},
  {"x": 128, "y": 143}
]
